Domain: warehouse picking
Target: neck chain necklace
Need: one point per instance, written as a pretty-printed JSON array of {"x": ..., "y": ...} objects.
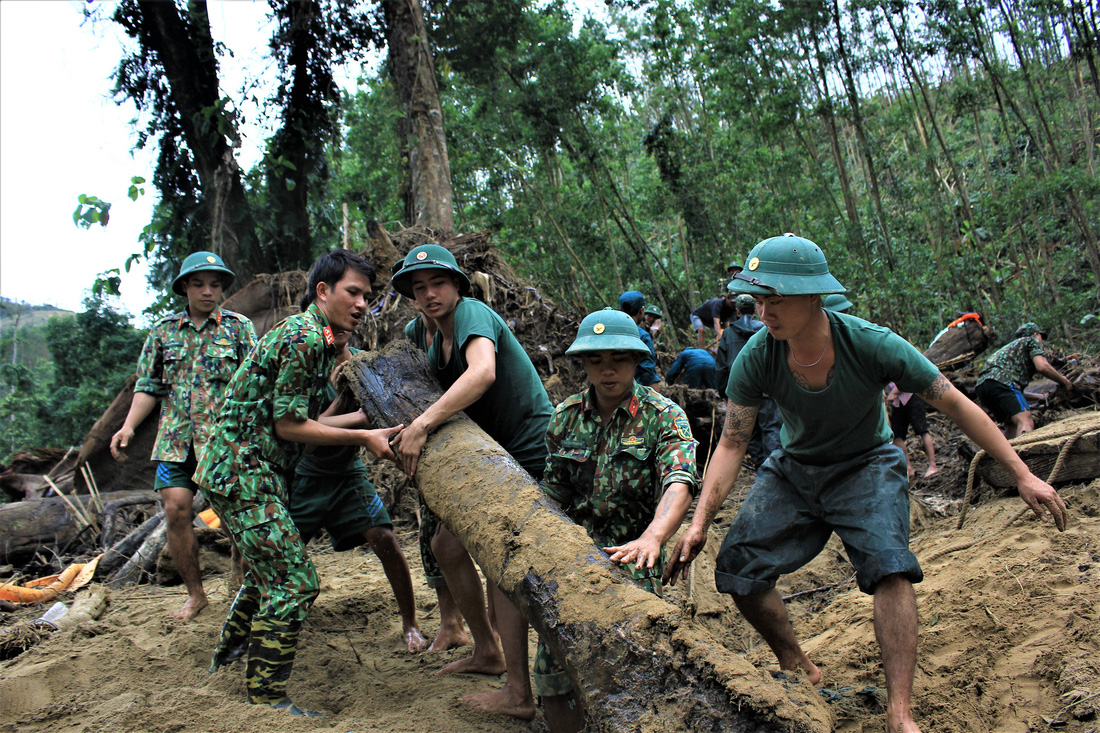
[{"x": 815, "y": 361}]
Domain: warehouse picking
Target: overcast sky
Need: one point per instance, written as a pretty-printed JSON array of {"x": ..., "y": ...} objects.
[{"x": 61, "y": 135}]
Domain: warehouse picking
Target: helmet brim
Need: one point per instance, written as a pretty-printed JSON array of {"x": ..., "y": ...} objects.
[
  {"x": 227, "y": 280},
  {"x": 402, "y": 280}
]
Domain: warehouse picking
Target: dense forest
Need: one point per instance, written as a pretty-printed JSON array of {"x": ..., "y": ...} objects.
[{"x": 943, "y": 154}]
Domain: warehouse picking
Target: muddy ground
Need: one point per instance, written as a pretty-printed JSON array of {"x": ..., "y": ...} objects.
[{"x": 1010, "y": 640}]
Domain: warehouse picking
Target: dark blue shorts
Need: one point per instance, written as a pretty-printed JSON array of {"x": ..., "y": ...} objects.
[
  {"x": 1003, "y": 400},
  {"x": 171, "y": 474},
  {"x": 793, "y": 508}
]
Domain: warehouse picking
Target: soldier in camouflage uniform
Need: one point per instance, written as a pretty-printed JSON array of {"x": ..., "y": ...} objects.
[
  {"x": 187, "y": 361},
  {"x": 1008, "y": 372},
  {"x": 271, "y": 409},
  {"x": 622, "y": 465},
  {"x": 331, "y": 492}
]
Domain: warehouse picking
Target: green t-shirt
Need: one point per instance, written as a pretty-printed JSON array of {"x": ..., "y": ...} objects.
[
  {"x": 416, "y": 334},
  {"x": 846, "y": 418},
  {"x": 331, "y": 460},
  {"x": 515, "y": 410}
]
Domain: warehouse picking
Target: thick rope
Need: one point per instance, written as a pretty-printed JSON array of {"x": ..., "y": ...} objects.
[{"x": 1074, "y": 432}]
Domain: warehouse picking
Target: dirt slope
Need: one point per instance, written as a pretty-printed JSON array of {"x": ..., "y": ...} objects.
[{"x": 1010, "y": 642}]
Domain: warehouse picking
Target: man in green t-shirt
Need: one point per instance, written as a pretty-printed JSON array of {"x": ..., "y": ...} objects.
[
  {"x": 1006, "y": 374},
  {"x": 487, "y": 374},
  {"x": 837, "y": 469}
]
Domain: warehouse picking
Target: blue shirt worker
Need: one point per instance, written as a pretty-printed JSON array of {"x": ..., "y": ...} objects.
[
  {"x": 632, "y": 303},
  {"x": 837, "y": 470},
  {"x": 697, "y": 368}
]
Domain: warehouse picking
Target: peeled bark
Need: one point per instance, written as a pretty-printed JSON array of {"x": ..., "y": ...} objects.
[{"x": 634, "y": 659}]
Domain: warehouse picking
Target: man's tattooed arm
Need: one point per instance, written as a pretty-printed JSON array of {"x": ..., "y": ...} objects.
[
  {"x": 739, "y": 423},
  {"x": 939, "y": 387}
]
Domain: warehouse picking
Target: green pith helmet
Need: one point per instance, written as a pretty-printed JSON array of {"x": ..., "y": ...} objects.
[
  {"x": 786, "y": 265},
  {"x": 428, "y": 257},
  {"x": 744, "y": 301},
  {"x": 202, "y": 262},
  {"x": 1029, "y": 328},
  {"x": 652, "y": 310},
  {"x": 835, "y": 302},
  {"x": 607, "y": 330},
  {"x": 735, "y": 265}
]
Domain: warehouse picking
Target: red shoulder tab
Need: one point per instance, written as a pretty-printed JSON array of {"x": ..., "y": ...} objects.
[
  {"x": 329, "y": 338},
  {"x": 633, "y": 407}
]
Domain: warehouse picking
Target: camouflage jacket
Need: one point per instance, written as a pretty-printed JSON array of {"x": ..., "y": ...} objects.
[
  {"x": 286, "y": 374},
  {"x": 188, "y": 367},
  {"x": 1012, "y": 363},
  {"x": 609, "y": 478}
]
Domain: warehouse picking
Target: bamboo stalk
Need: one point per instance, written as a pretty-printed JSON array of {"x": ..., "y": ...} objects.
[
  {"x": 77, "y": 508},
  {"x": 93, "y": 488}
]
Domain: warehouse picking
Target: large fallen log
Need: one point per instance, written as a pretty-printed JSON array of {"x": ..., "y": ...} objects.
[
  {"x": 956, "y": 346},
  {"x": 27, "y": 526},
  {"x": 1072, "y": 444},
  {"x": 636, "y": 661}
]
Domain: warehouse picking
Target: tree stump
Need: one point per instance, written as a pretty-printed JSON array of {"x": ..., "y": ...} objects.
[{"x": 637, "y": 663}]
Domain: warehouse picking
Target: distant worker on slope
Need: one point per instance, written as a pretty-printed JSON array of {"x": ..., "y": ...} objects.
[{"x": 1007, "y": 373}]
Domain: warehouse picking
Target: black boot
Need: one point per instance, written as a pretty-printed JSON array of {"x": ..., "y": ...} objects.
[
  {"x": 270, "y": 659},
  {"x": 233, "y": 643}
]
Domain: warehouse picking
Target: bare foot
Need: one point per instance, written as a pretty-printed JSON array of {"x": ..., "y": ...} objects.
[
  {"x": 449, "y": 638},
  {"x": 491, "y": 663},
  {"x": 190, "y": 608},
  {"x": 500, "y": 702},
  {"x": 414, "y": 640},
  {"x": 932, "y": 471},
  {"x": 904, "y": 724}
]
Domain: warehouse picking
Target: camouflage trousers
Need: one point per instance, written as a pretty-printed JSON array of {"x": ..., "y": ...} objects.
[
  {"x": 429, "y": 525},
  {"x": 279, "y": 566}
]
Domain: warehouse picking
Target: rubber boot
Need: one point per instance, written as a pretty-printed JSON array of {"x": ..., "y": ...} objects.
[
  {"x": 233, "y": 642},
  {"x": 270, "y": 659}
]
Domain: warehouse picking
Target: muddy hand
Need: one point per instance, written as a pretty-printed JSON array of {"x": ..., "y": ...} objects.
[
  {"x": 686, "y": 550},
  {"x": 378, "y": 441},
  {"x": 1042, "y": 498},
  {"x": 407, "y": 445},
  {"x": 642, "y": 552},
  {"x": 119, "y": 441}
]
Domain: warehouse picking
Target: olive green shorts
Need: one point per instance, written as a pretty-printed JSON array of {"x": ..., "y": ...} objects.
[{"x": 344, "y": 506}]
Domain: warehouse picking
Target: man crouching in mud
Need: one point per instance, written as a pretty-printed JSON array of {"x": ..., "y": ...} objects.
[{"x": 836, "y": 470}]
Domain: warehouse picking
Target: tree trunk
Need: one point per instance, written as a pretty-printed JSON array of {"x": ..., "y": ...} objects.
[
  {"x": 637, "y": 663},
  {"x": 429, "y": 198},
  {"x": 28, "y": 526},
  {"x": 187, "y": 55}
]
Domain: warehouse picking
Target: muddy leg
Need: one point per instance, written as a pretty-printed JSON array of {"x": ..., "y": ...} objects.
[
  {"x": 768, "y": 615},
  {"x": 896, "y": 631},
  {"x": 515, "y": 697},
  {"x": 384, "y": 545},
  {"x": 465, "y": 586},
  {"x": 184, "y": 548}
]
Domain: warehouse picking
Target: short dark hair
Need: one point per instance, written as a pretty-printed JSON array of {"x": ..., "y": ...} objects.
[{"x": 330, "y": 268}]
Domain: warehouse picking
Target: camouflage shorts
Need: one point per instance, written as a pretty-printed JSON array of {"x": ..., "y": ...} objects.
[
  {"x": 429, "y": 525},
  {"x": 279, "y": 565}
]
